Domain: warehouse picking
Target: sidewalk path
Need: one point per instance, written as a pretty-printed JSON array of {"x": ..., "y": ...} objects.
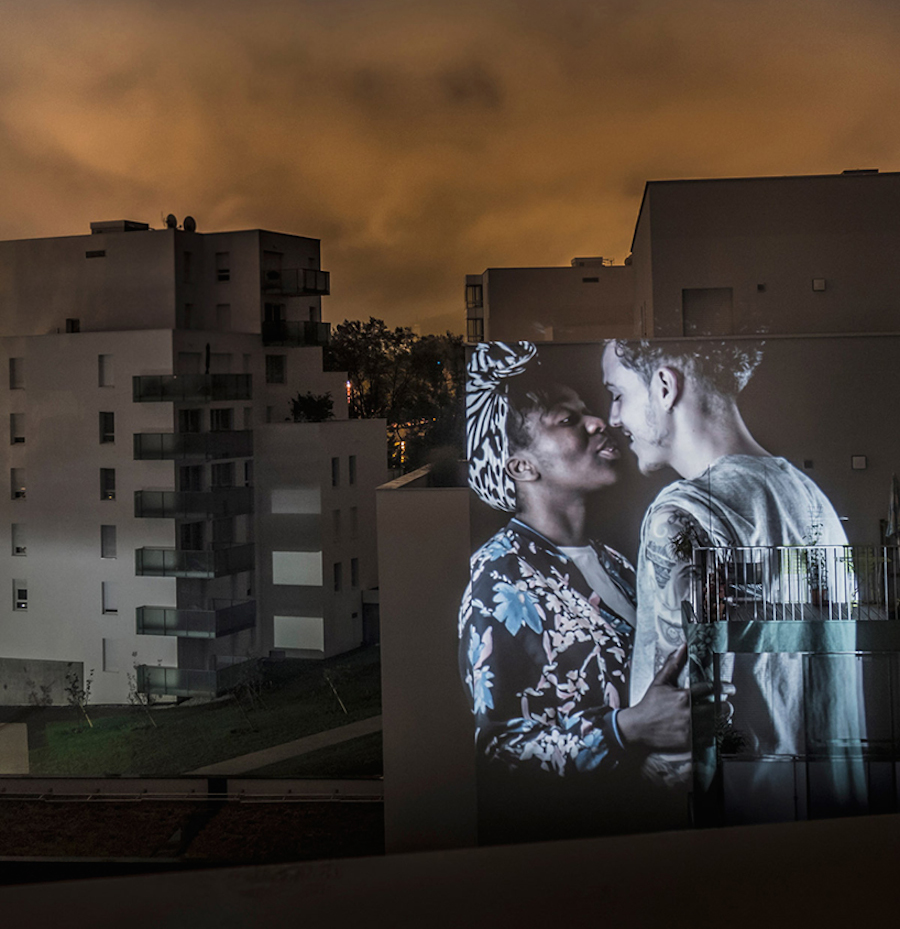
[{"x": 266, "y": 756}]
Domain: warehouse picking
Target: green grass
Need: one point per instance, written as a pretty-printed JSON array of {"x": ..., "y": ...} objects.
[{"x": 296, "y": 702}]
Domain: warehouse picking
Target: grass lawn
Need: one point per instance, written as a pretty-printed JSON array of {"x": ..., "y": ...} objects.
[{"x": 296, "y": 701}]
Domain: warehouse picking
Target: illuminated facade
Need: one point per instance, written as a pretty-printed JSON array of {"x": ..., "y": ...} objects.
[{"x": 166, "y": 519}]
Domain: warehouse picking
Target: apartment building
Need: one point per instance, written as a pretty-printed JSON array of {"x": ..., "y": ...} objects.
[
  {"x": 590, "y": 299},
  {"x": 166, "y": 517}
]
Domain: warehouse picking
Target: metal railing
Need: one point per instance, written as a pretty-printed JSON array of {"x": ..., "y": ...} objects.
[
  {"x": 190, "y": 387},
  {"x": 205, "y": 445},
  {"x": 175, "y": 562},
  {"x": 224, "y": 618},
  {"x": 795, "y": 582},
  {"x": 193, "y": 504}
]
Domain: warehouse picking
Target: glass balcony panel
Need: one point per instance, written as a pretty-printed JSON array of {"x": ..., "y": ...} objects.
[
  {"x": 296, "y": 281},
  {"x": 208, "y": 445},
  {"x": 171, "y": 562},
  {"x": 187, "y": 504},
  {"x": 296, "y": 332},
  {"x": 190, "y": 387},
  {"x": 224, "y": 618}
]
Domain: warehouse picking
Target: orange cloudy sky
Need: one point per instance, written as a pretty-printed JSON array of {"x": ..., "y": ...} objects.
[{"x": 425, "y": 140}]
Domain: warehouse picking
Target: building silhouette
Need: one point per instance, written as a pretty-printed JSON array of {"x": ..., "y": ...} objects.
[{"x": 166, "y": 518}]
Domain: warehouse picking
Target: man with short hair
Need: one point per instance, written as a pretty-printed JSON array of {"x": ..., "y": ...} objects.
[{"x": 677, "y": 405}]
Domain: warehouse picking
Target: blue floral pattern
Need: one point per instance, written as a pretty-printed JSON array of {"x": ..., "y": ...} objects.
[{"x": 544, "y": 660}]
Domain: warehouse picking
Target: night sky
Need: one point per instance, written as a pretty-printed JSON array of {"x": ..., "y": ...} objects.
[{"x": 425, "y": 139}]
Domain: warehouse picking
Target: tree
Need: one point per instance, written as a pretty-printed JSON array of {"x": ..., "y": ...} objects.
[
  {"x": 414, "y": 382},
  {"x": 312, "y": 408}
]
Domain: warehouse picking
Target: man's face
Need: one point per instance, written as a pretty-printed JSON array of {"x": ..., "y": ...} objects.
[
  {"x": 570, "y": 447},
  {"x": 633, "y": 411}
]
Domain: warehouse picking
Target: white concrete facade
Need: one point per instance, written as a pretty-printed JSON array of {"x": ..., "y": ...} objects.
[{"x": 145, "y": 391}]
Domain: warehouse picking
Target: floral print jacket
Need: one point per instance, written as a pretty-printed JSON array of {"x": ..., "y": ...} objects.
[{"x": 545, "y": 662}]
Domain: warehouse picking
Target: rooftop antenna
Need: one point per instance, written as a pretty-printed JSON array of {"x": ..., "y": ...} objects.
[{"x": 171, "y": 221}]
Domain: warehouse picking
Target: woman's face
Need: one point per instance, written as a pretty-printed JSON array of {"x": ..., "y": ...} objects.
[{"x": 570, "y": 447}]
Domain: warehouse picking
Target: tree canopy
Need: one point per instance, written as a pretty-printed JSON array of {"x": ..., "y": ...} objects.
[{"x": 414, "y": 382}]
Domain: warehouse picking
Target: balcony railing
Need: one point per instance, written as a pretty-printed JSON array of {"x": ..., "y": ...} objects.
[
  {"x": 296, "y": 332},
  {"x": 176, "y": 562},
  {"x": 189, "y": 682},
  {"x": 225, "y": 618},
  {"x": 200, "y": 445},
  {"x": 190, "y": 504},
  {"x": 840, "y": 582},
  {"x": 190, "y": 387},
  {"x": 296, "y": 281}
]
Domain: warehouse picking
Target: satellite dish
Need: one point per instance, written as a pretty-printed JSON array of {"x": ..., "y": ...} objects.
[
  {"x": 171, "y": 221},
  {"x": 190, "y": 224}
]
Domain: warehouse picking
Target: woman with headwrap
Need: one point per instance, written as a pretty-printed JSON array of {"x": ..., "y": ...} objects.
[{"x": 546, "y": 623}]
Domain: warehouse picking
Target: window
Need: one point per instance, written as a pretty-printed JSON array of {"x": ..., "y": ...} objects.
[
  {"x": 223, "y": 531},
  {"x": 474, "y": 295},
  {"x": 475, "y": 330},
  {"x": 73, "y": 325},
  {"x": 107, "y": 483},
  {"x": 354, "y": 522},
  {"x": 338, "y": 577},
  {"x": 354, "y": 572},
  {"x": 189, "y": 420},
  {"x": 818, "y": 283},
  {"x": 222, "y": 474},
  {"x": 96, "y": 253},
  {"x": 107, "y": 428},
  {"x": 16, "y": 373},
  {"x": 351, "y": 474},
  {"x": 107, "y": 541},
  {"x": 16, "y": 428},
  {"x": 223, "y": 266},
  {"x": 109, "y": 597},
  {"x": 315, "y": 314},
  {"x": 275, "y": 369},
  {"x": 18, "y": 539},
  {"x": 17, "y": 483},
  {"x": 221, "y": 420},
  {"x": 248, "y": 474},
  {"x": 191, "y": 537},
  {"x": 190, "y": 478},
  {"x": 105, "y": 371},
  {"x": 335, "y": 472},
  {"x": 20, "y": 595},
  {"x": 336, "y": 525}
]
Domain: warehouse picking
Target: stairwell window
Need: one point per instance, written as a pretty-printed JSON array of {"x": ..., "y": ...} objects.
[{"x": 107, "y": 428}]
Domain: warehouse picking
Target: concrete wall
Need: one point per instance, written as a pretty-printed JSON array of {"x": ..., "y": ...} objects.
[
  {"x": 561, "y": 304},
  {"x": 429, "y": 753},
  {"x": 780, "y": 233}
]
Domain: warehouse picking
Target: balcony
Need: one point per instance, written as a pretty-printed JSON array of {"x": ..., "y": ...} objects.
[
  {"x": 300, "y": 282},
  {"x": 190, "y": 387},
  {"x": 225, "y": 618},
  {"x": 296, "y": 332},
  {"x": 189, "y": 682},
  {"x": 203, "y": 446},
  {"x": 191, "y": 504},
  {"x": 176, "y": 562}
]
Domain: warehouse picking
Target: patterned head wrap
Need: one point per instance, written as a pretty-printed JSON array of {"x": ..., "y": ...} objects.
[{"x": 487, "y": 409}]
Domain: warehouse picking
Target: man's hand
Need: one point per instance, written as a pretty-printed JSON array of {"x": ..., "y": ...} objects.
[{"x": 661, "y": 721}]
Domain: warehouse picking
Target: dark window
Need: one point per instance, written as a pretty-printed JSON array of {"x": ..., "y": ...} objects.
[
  {"x": 338, "y": 577},
  {"x": 107, "y": 483},
  {"x": 96, "y": 253},
  {"x": 190, "y": 537},
  {"x": 189, "y": 420},
  {"x": 73, "y": 325},
  {"x": 20, "y": 595},
  {"x": 474, "y": 295},
  {"x": 335, "y": 472},
  {"x": 221, "y": 420},
  {"x": 107, "y": 428},
  {"x": 354, "y": 572},
  {"x": 351, "y": 477},
  {"x": 190, "y": 478},
  {"x": 275, "y": 369},
  {"x": 222, "y": 474},
  {"x": 107, "y": 541},
  {"x": 590, "y": 280},
  {"x": 223, "y": 266}
]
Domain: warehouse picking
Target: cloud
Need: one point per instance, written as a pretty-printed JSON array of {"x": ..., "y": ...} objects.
[{"x": 423, "y": 141}]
